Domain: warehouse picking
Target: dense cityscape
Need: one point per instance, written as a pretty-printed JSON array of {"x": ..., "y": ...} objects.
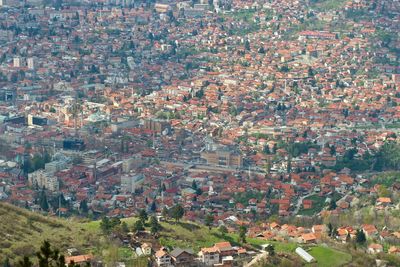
[{"x": 200, "y": 133}]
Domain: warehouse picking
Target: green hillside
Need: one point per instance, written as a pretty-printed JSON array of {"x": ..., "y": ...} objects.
[{"x": 24, "y": 231}]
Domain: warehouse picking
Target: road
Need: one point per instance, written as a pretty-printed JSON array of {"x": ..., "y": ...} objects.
[
  {"x": 300, "y": 201},
  {"x": 255, "y": 261}
]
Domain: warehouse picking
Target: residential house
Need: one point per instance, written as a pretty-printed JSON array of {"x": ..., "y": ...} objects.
[
  {"x": 375, "y": 248},
  {"x": 182, "y": 257},
  {"x": 209, "y": 256},
  {"x": 163, "y": 259}
]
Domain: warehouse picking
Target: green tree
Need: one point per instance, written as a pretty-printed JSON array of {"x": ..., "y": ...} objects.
[
  {"x": 194, "y": 185},
  {"x": 155, "y": 227},
  {"x": 177, "y": 212},
  {"x": 48, "y": 257},
  {"x": 330, "y": 229},
  {"x": 105, "y": 225},
  {"x": 44, "y": 204},
  {"x": 25, "y": 262},
  {"x": 6, "y": 262},
  {"x": 165, "y": 212},
  {"x": 83, "y": 206},
  {"x": 209, "y": 220},
  {"x": 360, "y": 237},
  {"x": 270, "y": 249},
  {"x": 247, "y": 45},
  {"x": 223, "y": 230},
  {"x": 242, "y": 234},
  {"x": 138, "y": 226},
  {"x": 143, "y": 216},
  {"x": 124, "y": 227},
  {"x": 332, "y": 205},
  {"x": 383, "y": 191}
]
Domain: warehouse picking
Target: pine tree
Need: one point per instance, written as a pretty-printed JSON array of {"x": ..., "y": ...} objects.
[
  {"x": 242, "y": 234},
  {"x": 360, "y": 237},
  {"x": 154, "y": 225},
  {"x": 48, "y": 257},
  {"x": 44, "y": 204},
  {"x": 138, "y": 226},
  {"x": 143, "y": 216},
  {"x": 223, "y": 230},
  {"x": 153, "y": 206},
  {"x": 332, "y": 205},
  {"x": 6, "y": 262},
  {"x": 209, "y": 220},
  {"x": 270, "y": 249},
  {"x": 83, "y": 207},
  {"x": 25, "y": 262},
  {"x": 165, "y": 212}
]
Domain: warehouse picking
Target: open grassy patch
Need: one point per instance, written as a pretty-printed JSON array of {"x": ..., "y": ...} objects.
[
  {"x": 327, "y": 5},
  {"x": 327, "y": 257}
]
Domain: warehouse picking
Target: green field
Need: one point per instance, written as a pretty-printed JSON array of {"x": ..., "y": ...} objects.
[
  {"x": 327, "y": 257},
  {"x": 326, "y": 5}
]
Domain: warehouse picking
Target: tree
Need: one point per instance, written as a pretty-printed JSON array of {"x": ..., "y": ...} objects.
[
  {"x": 289, "y": 164},
  {"x": 105, "y": 225},
  {"x": 154, "y": 225},
  {"x": 124, "y": 227},
  {"x": 360, "y": 237},
  {"x": 332, "y": 205},
  {"x": 25, "y": 262},
  {"x": 270, "y": 249},
  {"x": 330, "y": 229},
  {"x": 242, "y": 234},
  {"x": 223, "y": 230},
  {"x": 6, "y": 262},
  {"x": 138, "y": 226},
  {"x": 44, "y": 205},
  {"x": 194, "y": 185},
  {"x": 177, "y": 212},
  {"x": 310, "y": 72},
  {"x": 247, "y": 45},
  {"x": 48, "y": 257},
  {"x": 153, "y": 206},
  {"x": 209, "y": 220},
  {"x": 143, "y": 216},
  {"x": 83, "y": 207},
  {"x": 332, "y": 150},
  {"x": 165, "y": 212},
  {"x": 383, "y": 191}
]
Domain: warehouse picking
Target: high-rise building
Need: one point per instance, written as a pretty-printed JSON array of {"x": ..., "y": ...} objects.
[
  {"x": 17, "y": 62},
  {"x": 131, "y": 182},
  {"x": 31, "y": 63}
]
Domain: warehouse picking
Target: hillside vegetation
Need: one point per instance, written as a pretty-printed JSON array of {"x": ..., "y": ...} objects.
[{"x": 22, "y": 232}]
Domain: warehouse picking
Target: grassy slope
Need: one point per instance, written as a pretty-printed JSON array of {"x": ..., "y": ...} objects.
[{"x": 24, "y": 231}]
